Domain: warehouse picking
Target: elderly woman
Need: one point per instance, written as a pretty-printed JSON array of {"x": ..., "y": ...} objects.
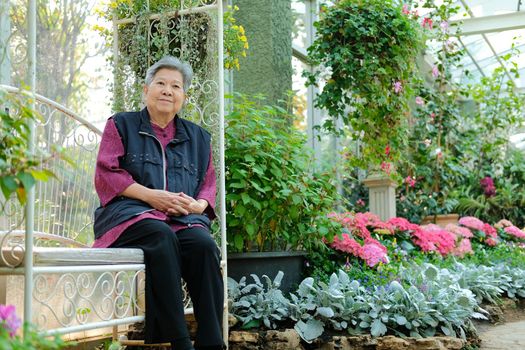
[{"x": 156, "y": 183}]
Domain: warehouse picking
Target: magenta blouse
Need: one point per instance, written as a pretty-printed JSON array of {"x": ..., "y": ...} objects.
[{"x": 111, "y": 180}]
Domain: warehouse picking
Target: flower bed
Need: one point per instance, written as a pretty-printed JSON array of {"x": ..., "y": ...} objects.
[{"x": 419, "y": 300}]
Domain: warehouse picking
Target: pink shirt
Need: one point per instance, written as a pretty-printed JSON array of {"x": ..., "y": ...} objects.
[{"x": 111, "y": 180}]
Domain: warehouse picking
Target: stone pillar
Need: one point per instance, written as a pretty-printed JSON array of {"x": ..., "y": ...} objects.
[
  {"x": 267, "y": 69},
  {"x": 381, "y": 195}
]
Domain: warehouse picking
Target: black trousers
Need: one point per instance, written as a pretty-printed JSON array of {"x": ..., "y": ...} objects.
[{"x": 193, "y": 255}]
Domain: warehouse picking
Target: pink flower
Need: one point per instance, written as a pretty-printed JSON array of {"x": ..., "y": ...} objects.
[
  {"x": 386, "y": 167},
  {"x": 360, "y": 202},
  {"x": 398, "y": 87},
  {"x": 427, "y": 22},
  {"x": 405, "y": 9},
  {"x": 415, "y": 14},
  {"x": 346, "y": 244},
  {"x": 8, "y": 319},
  {"x": 465, "y": 247},
  {"x": 402, "y": 224},
  {"x": 491, "y": 242},
  {"x": 444, "y": 26},
  {"x": 514, "y": 231},
  {"x": 472, "y": 222},
  {"x": 387, "y": 150},
  {"x": 488, "y": 186},
  {"x": 490, "y": 231},
  {"x": 459, "y": 231},
  {"x": 419, "y": 101},
  {"x": 435, "y": 71},
  {"x": 410, "y": 181},
  {"x": 373, "y": 254},
  {"x": 434, "y": 238}
]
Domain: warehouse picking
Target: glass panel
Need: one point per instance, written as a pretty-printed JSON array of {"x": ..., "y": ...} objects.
[
  {"x": 299, "y": 20},
  {"x": 300, "y": 97},
  {"x": 490, "y": 7}
]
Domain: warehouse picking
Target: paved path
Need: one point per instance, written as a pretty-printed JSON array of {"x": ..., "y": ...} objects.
[{"x": 507, "y": 336}]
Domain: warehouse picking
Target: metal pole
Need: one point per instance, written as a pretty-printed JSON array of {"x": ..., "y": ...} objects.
[
  {"x": 5, "y": 31},
  {"x": 222, "y": 181},
  {"x": 30, "y": 206}
]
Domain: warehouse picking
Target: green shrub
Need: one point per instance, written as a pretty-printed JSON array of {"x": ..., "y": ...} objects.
[{"x": 274, "y": 201}]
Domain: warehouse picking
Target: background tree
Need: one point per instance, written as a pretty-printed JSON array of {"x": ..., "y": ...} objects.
[{"x": 62, "y": 48}]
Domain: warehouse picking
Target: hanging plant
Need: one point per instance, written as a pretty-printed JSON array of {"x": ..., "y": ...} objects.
[
  {"x": 366, "y": 52},
  {"x": 158, "y": 29}
]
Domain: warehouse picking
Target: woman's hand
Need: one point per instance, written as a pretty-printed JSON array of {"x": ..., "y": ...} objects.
[
  {"x": 170, "y": 203},
  {"x": 196, "y": 206}
]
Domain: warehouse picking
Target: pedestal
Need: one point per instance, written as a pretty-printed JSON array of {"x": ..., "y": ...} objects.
[{"x": 382, "y": 195}]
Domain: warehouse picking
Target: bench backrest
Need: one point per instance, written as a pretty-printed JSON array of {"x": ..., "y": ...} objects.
[{"x": 63, "y": 205}]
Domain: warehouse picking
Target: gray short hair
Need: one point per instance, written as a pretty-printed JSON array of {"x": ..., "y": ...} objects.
[{"x": 173, "y": 63}]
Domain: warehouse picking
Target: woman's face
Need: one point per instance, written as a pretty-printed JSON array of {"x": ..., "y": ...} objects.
[{"x": 165, "y": 94}]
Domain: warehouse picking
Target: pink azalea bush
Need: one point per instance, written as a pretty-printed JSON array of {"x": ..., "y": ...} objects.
[
  {"x": 365, "y": 235},
  {"x": 514, "y": 231},
  {"x": 483, "y": 232},
  {"x": 357, "y": 240}
]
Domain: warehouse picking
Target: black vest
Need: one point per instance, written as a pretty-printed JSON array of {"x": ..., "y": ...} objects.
[{"x": 180, "y": 168}]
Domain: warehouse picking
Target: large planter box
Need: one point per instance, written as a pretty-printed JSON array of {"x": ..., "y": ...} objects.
[
  {"x": 269, "y": 264},
  {"x": 441, "y": 220}
]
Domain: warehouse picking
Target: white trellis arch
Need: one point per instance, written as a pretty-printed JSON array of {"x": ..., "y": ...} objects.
[{"x": 97, "y": 287}]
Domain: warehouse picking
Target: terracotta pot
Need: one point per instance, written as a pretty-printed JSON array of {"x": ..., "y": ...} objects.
[{"x": 441, "y": 220}]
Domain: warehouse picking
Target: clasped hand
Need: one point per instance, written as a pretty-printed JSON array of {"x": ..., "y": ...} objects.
[{"x": 176, "y": 204}]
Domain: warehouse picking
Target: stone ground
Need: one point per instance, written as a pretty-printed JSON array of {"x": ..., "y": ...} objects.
[
  {"x": 509, "y": 331},
  {"x": 507, "y": 336}
]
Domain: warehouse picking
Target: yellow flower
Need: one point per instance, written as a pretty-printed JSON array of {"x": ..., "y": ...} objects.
[
  {"x": 246, "y": 45},
  {"x": 243, "y": 38},
  {"x": 243, "y": 54},
  {"x": 241, "y": 29},
  {"x": 236, "y": 27}
]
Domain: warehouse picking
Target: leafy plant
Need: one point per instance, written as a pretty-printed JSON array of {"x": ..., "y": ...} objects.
[
  {"x": 425, "y": 301},
  {"x": 256, "y": 305},
  {"x": 274, "y": 201},
  {"x": 366, "y": 52},
  {"x": 20, "y": 168}
]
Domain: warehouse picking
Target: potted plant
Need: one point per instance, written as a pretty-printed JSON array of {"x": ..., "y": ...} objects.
[{"x": 275, "y": 203}]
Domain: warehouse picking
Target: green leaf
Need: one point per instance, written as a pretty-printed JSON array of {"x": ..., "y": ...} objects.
[
  {"x": 401, "y": 320},
  {"x": 378, "y": 328},
  {"x": 8, "y": 185},
  {"x": 245, "y": 198},
  {"x": 26, "y": 179},
  {"x": 250, "y": 229},
  {"x": 238, "y": 241}
]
